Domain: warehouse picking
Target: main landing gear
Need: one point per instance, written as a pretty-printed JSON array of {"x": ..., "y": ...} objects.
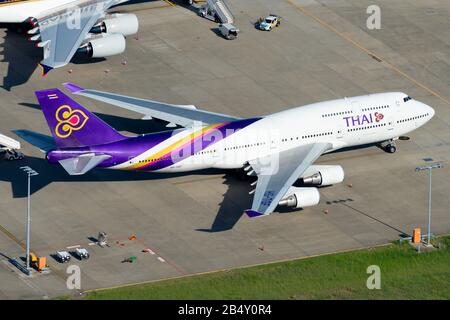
[{"x": 389, "y": 146}]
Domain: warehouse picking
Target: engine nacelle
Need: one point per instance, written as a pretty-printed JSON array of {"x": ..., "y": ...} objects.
[
  {"x": 125, "y": 24},
  {"x": 106, "y": 46},
  {"x": 321, "y": 175},
  {"x": 301, "y": 197}
]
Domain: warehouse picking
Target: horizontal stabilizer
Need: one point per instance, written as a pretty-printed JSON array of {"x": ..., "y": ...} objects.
[
  {"x": 39, "y": 140},
  {"x": 82, "y": 164}
]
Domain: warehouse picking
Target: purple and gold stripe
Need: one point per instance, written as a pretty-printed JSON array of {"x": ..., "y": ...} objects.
[{"x": 208, "y": 136}]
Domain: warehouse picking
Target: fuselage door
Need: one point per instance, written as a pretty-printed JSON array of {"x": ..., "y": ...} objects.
[
  {"x": 340, "y": 131},
  {"x": 391, "y": 123}
]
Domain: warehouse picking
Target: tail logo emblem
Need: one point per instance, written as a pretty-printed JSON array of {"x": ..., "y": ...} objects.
[{"x": 69, "y": 120}]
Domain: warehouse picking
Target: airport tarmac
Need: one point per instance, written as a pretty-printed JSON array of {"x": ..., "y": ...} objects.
[{"x": 193, "y": 223}]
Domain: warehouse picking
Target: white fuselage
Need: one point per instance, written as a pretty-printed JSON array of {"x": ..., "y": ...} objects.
[
  {"x": 20, "y": 11},
  {"x": 343, "y": 123}
]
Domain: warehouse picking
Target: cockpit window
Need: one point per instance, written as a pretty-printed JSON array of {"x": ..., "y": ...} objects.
[{"x": 406, "y": 99}]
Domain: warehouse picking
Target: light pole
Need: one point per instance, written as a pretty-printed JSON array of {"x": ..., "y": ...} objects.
[
  {"x": 430, "y": 169},
  {"x": 30, "y": 172}
]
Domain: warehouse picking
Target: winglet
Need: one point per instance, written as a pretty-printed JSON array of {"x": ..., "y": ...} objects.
[
  {"x": 253, "y": 214},
  {"x": 45, "y": 69},
  {"x": 73, "y": 88}
]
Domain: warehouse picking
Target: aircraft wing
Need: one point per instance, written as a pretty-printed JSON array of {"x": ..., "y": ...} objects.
[
  {"x": 278, "y": 172},
  {"x": 185, "y": 116},
  {"x": 62, "y": 30}
]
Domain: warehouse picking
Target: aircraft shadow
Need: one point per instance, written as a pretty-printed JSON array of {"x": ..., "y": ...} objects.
[
  {"x": 20, "y": 54},
  {"x": 48, "y": 173},
  {"x": 23, "y": 58},
  {"x": 235, "y": 200},
  {"x": 230, "y": 211}
]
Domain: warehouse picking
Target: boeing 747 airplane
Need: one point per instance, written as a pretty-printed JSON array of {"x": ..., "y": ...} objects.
[
  {"x": 279, "y": 149},
  {"x": 65, "y": 27}
]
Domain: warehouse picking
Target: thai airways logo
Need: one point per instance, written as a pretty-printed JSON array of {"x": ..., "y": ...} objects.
[
  {"x": 69, "y": 120},
  {"x": 378, "y": 116},
  {"x": 359, "y": 120}
]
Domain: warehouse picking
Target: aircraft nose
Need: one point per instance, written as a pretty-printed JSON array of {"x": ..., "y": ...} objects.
[{"x": 426, "y": 109}]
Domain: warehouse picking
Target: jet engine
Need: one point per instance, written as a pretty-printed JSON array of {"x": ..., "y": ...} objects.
[
  {"x": 125, "y": 24},
  {"x": 105, "y": 46},
  {"x": 301, "y": 197},
  {"x": 321, "y": 175}
]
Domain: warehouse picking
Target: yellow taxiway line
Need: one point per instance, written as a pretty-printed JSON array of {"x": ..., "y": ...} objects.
[
  {"x": 23, "y": 246},
  {"x": 364, "y": 49}
]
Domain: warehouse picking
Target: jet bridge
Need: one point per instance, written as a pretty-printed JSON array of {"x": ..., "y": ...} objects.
[
  {"x": 217, "y": 10},
  {"x": 7, "y": 143}
]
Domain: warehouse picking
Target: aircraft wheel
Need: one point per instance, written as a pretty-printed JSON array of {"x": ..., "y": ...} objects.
[{"x": 391, "y": 148}]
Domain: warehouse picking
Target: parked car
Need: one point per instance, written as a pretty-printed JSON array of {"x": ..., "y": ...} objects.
[
  {"x": 269, "y": 22},
  {"x": 63, "y": 256},
  {"x": 81, "y": 253}
]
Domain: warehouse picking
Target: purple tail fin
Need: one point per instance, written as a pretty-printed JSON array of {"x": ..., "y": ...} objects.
[{"x": 71, "y": 124}]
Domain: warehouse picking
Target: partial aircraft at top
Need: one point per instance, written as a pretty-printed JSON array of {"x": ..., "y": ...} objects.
[
  {"x": 64, "y": 27},
  {"x": 279, "y": 149}
]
